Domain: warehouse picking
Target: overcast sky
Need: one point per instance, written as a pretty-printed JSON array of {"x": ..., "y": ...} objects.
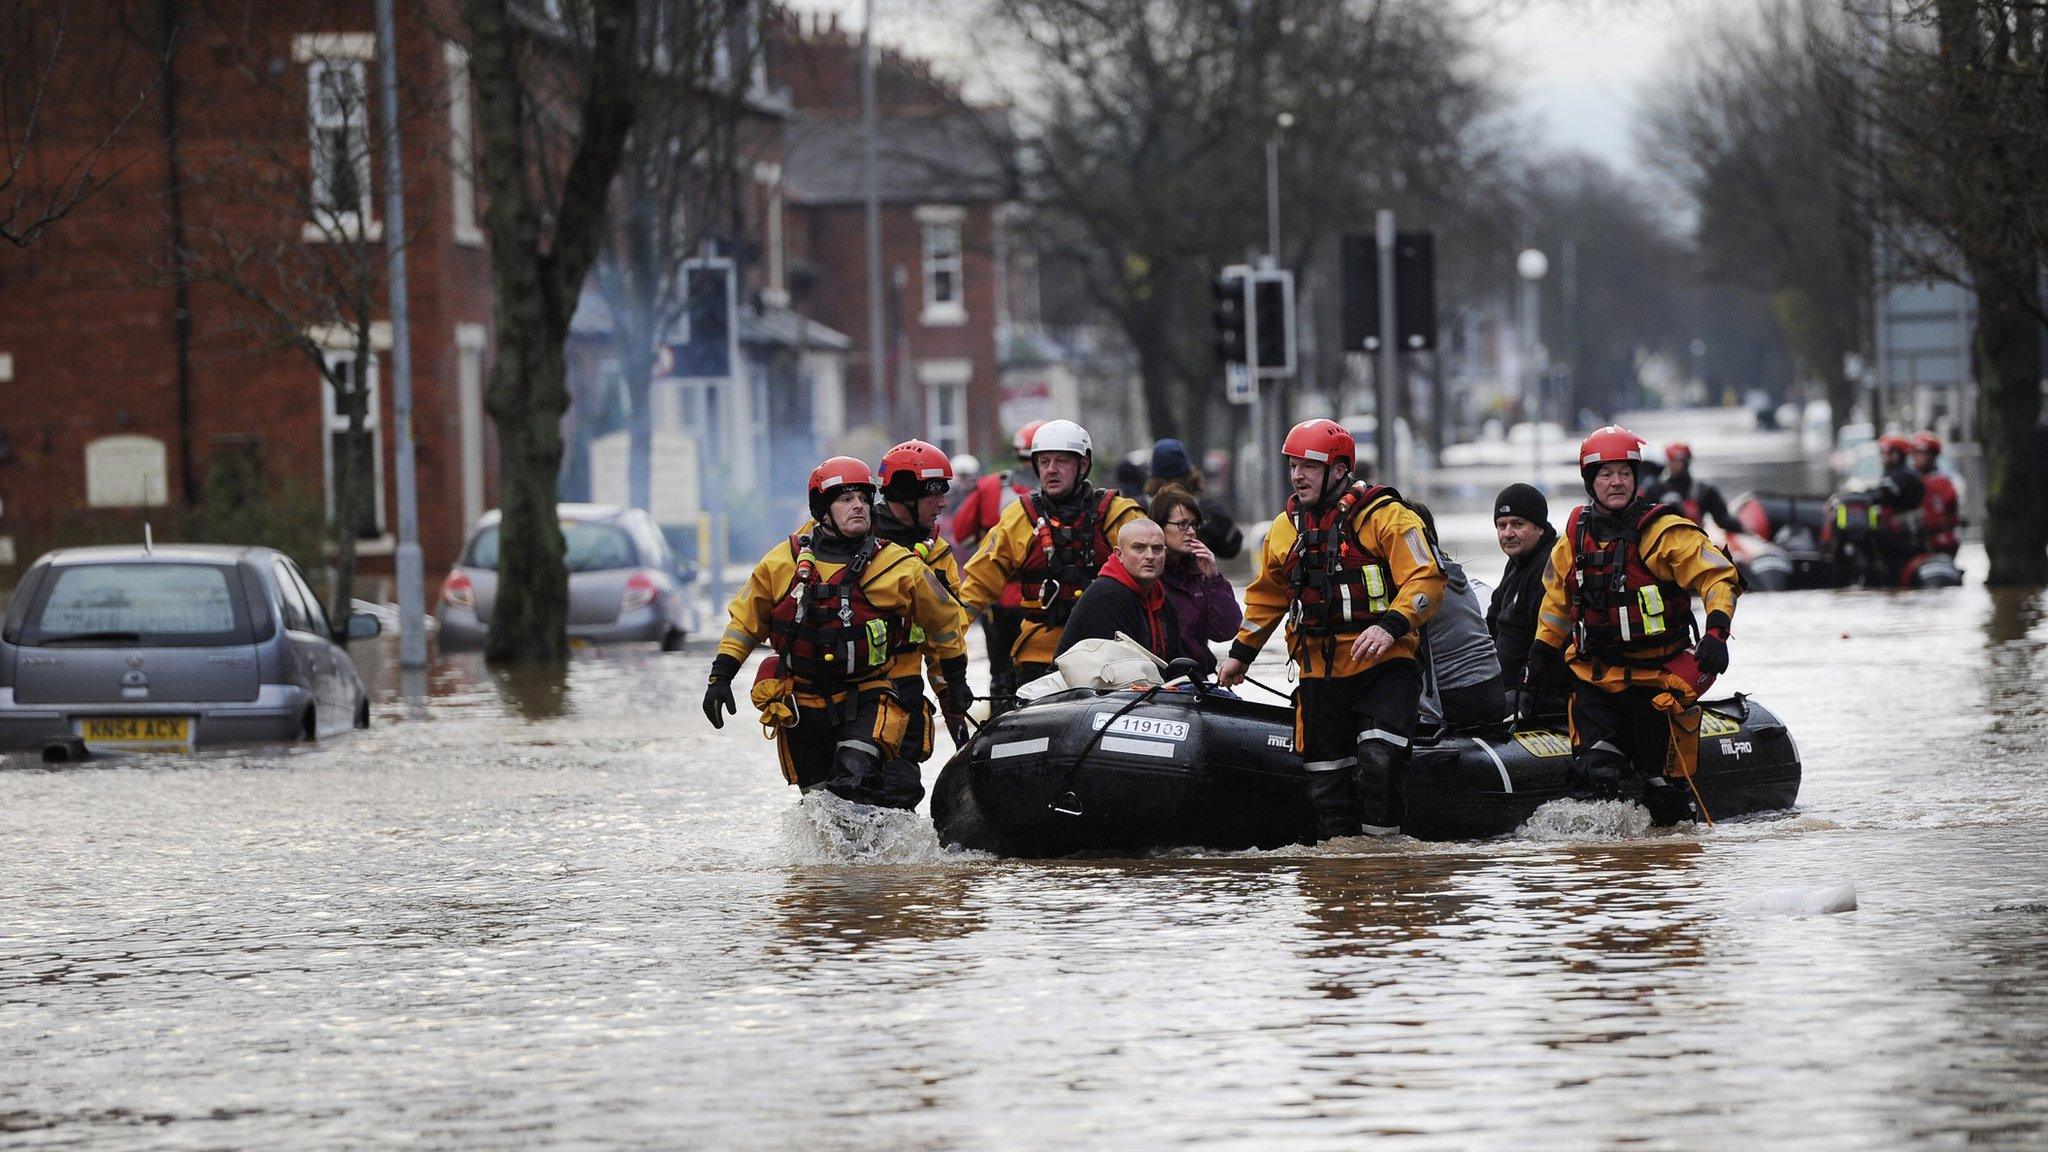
[{"x": 1574, "y": 67}]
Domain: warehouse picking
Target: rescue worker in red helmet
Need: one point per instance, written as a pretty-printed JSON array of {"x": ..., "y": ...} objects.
[
  {"x": 977, "y": 517},
  {"x": 830, "y": 600},
  {"x": 1941, "y": 505},
  {"x": 915, "y": 478},
  {"x": 1351, "y": 569},
  {"x": 1052, "y": 543},
  {"x": 1689, "y": 494},
  {"x": 1617, "y": 612}
]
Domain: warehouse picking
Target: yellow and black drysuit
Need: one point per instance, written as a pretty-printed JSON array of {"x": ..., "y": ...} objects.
[
  {"x": 1357, "y": 558},
  {"x": 913, "y": 653},
  {"x": 1053, "y": 550},
  {"x": 835, "y": 611},
  {"x": 1619, "y": 589}
]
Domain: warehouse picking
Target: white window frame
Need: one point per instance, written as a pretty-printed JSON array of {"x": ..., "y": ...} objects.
[
  {"x": 462, "y": 148},
  {"x": 936, "y": 223},
  {"x": 322, "y": 53},
  {"x": 333, "y": 421},
  {"x": 945, "y": 380}
]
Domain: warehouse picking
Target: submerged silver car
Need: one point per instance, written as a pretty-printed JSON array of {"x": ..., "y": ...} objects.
[
  {"x": 171, "y": 647},
  {"x": 624, "y": 582}
]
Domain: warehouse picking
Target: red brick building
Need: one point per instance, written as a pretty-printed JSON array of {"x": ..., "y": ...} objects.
[
  {"x": 943, "y": 184},
  {"x": 130, "y": 372}
]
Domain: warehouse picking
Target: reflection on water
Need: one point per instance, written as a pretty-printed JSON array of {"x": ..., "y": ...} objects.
[{"x": 534, "y": 911}]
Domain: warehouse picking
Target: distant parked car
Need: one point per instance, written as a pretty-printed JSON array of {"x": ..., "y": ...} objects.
[
  {"x": 624, "y": 582},
  {"x": 170, "y": 647}
]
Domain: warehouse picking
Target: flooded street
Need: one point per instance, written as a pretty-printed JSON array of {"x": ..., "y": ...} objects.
[{"x": 522, "y": 916}]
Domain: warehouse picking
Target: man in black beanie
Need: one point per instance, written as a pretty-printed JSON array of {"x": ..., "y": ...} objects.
[{"x": 1521, "y": 519}]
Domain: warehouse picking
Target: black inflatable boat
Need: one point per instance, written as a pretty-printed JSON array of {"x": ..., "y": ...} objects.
[{"x": 1134, "y": 770}]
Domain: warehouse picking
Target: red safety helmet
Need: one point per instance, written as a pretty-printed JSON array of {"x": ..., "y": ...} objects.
[
  {"x": 1893, "y": 442},
  {"x": 1323, "y": 442},
  {"x": 913, "y": 469},
  {"x": 1677, "y": 450},
  {"x": 839, "y": 472},
  {"x": 1610, "y": 445},
  {"x": 1927, "y": 442},
  {"x": 1022, "y": 440}
]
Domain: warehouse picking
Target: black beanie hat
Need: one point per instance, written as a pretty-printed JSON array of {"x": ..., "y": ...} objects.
[{"x": 1522, "y": 500}]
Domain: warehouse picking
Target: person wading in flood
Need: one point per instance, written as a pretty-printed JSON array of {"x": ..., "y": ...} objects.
[
  {"x": 1052, "y": 543},
  {"x": 828, "y": 601},
  {"x": 1619, "y": 590},
  {"x": 976, "y": 518},
  {"x": 1351, "y": 569},
  {"x": 915, "y": 479}
]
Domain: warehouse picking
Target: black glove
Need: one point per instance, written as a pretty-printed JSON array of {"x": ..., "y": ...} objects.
[
  {"x": 1711, "y": 653},
  {"x": 1545, "y": 675},
  {"x": 959, "y": 697},
  {"x": 718, "y": 691},
  {"x": 956, "y": 724}
]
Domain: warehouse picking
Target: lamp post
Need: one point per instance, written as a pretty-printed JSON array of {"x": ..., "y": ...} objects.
[
  {"x": 1532, "y": 265},
  {"x": 1281, "y": 124}
]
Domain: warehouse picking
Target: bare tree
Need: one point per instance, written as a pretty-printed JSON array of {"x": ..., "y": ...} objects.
[
  {"x": 1962, "y": 114},
  {"x": 675, "y": 185},
  {"x": 556, "y": 100},
  {"x": 295, "y": 237},
  {"x": 49, "y": 166},
  {"x": 1759, "y": 133},
  {"x": 1146, "y": 156}
]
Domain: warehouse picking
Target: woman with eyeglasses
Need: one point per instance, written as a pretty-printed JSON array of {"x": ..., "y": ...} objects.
[{"x": 1203, "y": 601}]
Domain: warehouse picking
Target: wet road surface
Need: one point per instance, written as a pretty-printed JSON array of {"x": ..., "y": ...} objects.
[{"x": 527, "y": 914}]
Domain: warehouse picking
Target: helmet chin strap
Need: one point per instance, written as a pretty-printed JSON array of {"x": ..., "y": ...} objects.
[{"x": 1332, "y": 480}]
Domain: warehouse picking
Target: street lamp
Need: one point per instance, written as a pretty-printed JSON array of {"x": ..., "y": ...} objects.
[
  {"x": 1532, "y": 265},
  {"x": 1281, "y": 124}
]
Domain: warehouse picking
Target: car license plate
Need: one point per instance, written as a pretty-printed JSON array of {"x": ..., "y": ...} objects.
[{"x": 164, "y": 731}]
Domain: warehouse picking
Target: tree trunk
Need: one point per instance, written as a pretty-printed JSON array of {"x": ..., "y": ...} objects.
[
  {"x": 2008, "y": 341},
  {"x": 1160, "y": 383},
  {"x": 528, "y": 394},
  {"x": 349, "y": 484}
]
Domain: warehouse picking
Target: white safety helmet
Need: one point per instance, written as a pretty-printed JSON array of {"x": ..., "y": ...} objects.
[
  {"x": 966, "y": 464},
  {"x": 1063, "y": 436}
]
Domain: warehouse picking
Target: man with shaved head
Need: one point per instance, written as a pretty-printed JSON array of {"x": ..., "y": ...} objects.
[{"x": 1130, "y": 599}]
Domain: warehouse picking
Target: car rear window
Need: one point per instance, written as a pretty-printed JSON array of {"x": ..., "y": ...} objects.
[
  {"x": 155, "y": 604},
  {"x": 591, "y": 547}
]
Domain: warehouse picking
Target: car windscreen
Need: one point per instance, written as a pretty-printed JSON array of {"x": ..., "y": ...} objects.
[
  {"x": 139, "y": 604},
  {"x": 590, "y": 547}
]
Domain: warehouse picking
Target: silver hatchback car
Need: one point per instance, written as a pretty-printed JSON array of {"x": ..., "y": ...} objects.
[
  {"x": 171, "y": 647},
  {"x": 624, "y": 582}
]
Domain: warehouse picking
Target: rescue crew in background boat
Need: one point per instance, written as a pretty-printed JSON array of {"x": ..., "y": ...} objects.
[
  {"x": 1052, "y": 543},
  {"x": 829, "y": 601},
  {"x": 976, "y": 518},
  {"x": 1351, "y": 570},
  {"x": 1619, "y": 591},
  {"x": 915, "y": 478},
  {"x": 1690, "y": 494},
  {"x": 1941, "y": 513}
]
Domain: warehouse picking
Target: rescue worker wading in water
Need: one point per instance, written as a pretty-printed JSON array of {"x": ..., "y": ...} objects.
[
  {"x": 978, "y": 515},
  {"x": 831, "y": 601},
  {"x": 1351, "y": 568},
  {"x": 1619, "y": 590},
  {"x": 1052, "y": 543},
  {"x": 915, "y": 479}
]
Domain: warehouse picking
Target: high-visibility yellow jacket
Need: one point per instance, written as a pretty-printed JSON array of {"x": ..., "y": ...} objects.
[
  {"x": 1004, "y": 552},
  {"x": 1386, "y": 530},
  {"x": 1672, "y": 549},
  {"x": 897, "y": 584}
]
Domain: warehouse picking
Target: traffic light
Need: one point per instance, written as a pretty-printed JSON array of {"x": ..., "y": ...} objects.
[
  {"x": 1414, "y": 292},
  {"x": 1273, "y": 322},
  {"x": 706, "y": 347},
  {"x": 1231, "y": 313}
]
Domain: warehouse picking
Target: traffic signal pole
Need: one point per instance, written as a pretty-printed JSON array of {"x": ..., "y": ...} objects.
[
  {"x": 1386, "y": 389},
  {"x": 412, "y": 614}
]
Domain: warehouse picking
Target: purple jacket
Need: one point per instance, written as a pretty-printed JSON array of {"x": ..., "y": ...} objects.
[{"x": 1206, "y": 609}]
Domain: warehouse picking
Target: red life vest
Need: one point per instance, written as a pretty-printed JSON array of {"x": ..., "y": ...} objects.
[
  {"x": 1939, "y": 515},
  {"x": 1065, "y": 556},
  {"x": 1339, "y": 586},
  {"x": 826, "y": 631},
  {"x": 907, "y": 636},
  {"x": 1618, "y": 608}
]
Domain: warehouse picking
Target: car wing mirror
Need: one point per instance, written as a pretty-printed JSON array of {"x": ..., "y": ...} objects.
[{"x": 361, "y": 626}]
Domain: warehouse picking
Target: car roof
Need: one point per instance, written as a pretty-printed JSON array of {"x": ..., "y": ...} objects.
[
  {"x": 160, "y": 554},
  {"x": 595, "y": 513}
]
